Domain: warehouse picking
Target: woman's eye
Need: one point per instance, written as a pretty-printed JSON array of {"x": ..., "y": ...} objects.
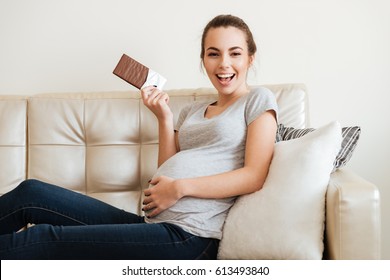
[
  {"x": 236, "y": 53},
  {"x": 212, "y": 54}
]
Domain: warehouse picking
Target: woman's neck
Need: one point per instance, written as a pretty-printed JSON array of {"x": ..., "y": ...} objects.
[{"x": 227, "y": 99}]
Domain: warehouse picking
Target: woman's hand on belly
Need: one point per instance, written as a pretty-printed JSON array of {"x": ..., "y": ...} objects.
[{"x": 161, "y": 196}]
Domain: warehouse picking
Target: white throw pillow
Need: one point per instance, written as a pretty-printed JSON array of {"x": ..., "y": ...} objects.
[{"x": 285, "y": 219}]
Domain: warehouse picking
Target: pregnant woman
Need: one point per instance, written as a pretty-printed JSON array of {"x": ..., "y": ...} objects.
[{"x": 214, "y": 153}]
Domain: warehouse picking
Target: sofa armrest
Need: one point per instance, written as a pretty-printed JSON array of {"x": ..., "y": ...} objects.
[{"x": 352, "y": 217}]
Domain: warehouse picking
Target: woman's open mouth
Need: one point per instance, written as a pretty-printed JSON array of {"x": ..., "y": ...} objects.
[{"x": 225, "y": 78}]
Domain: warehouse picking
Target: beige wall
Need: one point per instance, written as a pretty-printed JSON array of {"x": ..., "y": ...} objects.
[{"x": 339, "y": 49}]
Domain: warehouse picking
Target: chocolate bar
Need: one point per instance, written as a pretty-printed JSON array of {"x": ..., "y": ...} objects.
[
  {"x": 131, "y": 71},
  {"x": 137, "y": 74}
]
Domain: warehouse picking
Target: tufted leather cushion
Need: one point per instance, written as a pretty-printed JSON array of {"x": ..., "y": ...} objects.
[
  {"x": 13, "y": 127},
  {"x": 101, "y": 144}
]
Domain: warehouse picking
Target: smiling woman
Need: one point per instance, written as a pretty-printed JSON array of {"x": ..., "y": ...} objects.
[{"x": 203, "y": 167}]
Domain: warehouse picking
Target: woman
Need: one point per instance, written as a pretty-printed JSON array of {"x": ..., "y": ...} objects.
[{"x": 203, "y": 166}]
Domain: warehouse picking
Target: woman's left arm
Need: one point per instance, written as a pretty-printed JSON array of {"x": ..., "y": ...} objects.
[{"x": 250, "y": 178}]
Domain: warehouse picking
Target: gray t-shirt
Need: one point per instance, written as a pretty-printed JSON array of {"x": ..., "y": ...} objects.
[{"x": 208, "y": 147}]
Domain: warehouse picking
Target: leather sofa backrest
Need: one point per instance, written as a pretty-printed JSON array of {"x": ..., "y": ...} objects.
[
  {"x": 100, "y": 144},
  {"x": 13, "y": 141}
]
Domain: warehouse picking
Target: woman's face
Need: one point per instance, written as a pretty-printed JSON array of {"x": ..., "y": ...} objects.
[{"x": 226, "y": 59}]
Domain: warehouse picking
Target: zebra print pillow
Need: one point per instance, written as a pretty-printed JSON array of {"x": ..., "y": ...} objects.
[{"x": 350, "y": 138}]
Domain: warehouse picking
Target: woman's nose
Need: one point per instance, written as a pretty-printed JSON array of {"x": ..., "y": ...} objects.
[{"x": 225, "y": 61}]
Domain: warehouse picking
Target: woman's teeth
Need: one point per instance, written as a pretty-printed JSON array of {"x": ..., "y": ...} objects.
[{"x": 225, "y": 76}]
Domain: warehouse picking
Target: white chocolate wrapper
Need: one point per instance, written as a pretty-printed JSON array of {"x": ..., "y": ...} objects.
[{"x": 154, "y": 79}]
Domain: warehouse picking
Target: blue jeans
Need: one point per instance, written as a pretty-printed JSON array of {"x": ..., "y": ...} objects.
[{"x": 74, "y": 226}]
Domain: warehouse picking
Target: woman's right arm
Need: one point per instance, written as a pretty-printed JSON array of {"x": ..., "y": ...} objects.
[{"x": 157, "y": 102}]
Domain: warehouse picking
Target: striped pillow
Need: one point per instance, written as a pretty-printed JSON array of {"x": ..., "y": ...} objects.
[{"x": 350, "y": 138}]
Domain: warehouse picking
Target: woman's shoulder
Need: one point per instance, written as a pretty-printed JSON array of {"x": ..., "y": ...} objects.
[
  {"x": 261, "y": 92},
  {"x": 194, "y": 105},
  {"x": 191, "y": 108},
  {"x": 259, "y": 100}
]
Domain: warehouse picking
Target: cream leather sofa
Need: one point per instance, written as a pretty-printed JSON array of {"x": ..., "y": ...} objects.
[{"x": 105, "y": 145}]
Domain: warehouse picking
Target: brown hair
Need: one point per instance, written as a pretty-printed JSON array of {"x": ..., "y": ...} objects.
[{"x": 227, "y": 21}]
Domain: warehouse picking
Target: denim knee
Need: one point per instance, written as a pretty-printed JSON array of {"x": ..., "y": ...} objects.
[
  {"x": 29, "y": 187},
  {"x": 28, "y": 183}
]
